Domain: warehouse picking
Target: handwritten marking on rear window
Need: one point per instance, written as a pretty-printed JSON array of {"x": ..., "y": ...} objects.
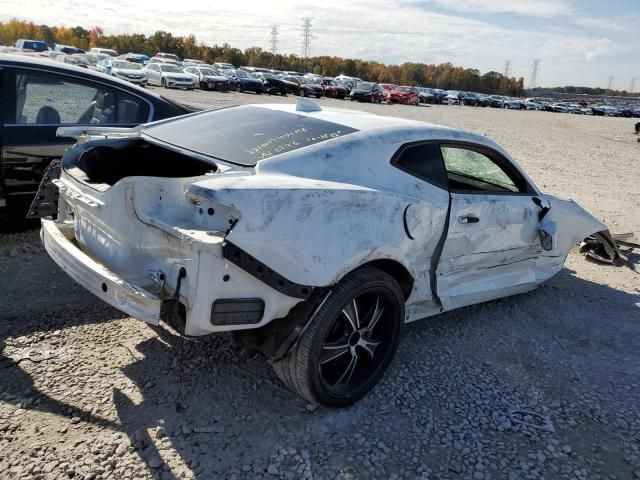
[
  {"x": 274, "y": 140},
  {"x": 300, "y": 137}
]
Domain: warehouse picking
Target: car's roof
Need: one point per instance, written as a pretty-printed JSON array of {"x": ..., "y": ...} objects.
[
  {"x": 52, "y": 65},
  {"x": 247, "y": 134},
  {"x": 355, "y": 119}
]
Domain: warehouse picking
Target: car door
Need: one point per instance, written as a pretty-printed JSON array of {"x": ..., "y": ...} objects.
[
  {"x": 194, "y": 73},
  {"x": 3, "y": 113},
  {"x": 35, "y": 104},
  {"x": 153, "y": 73},
  {"x": 492, "y": 241},
  {"x": 413, "y": 96}
]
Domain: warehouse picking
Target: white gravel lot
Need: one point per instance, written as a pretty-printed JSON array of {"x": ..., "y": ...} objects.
[{"x": 542, "y": 385}]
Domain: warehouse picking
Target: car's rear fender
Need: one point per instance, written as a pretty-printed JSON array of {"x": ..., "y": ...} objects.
[{"x": 314, "y": 232}]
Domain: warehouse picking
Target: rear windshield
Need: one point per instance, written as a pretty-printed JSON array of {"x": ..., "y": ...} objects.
[
  {"x": 165, "y": 67},
  {"x": 246, "y": 135},
  {"x": 34, "y": 45}
]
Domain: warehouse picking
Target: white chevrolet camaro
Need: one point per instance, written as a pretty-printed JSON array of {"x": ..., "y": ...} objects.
[{"x": 313, "y": 234}]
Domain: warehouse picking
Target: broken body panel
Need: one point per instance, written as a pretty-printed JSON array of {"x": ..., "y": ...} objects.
[{"x": 297, "y": 219}]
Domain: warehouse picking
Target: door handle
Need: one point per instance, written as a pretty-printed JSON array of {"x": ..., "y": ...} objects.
[{"x": 468, "y": 219}]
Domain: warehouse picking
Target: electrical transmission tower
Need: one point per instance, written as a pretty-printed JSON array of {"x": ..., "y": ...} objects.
[
  {"x": 535, "y": 68},
  {"x": 507, "y": 68},
  {"x": 610, "y": 84},
  {"x": 306, "y": 38},
  {"x": 633, "y": 85},
  {"x": 274, "y": 39}
]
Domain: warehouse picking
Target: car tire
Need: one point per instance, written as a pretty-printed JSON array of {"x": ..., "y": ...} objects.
[
  {"x": 204, "y": 86},
  {"x": 355, "y": 356},
  {"x": 163, "y": 83},
  {"x": 318, "y": 96},
  {"x": 239, "y": 88}
]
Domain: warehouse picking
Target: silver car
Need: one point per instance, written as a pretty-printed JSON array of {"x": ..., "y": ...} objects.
[
  {"x": 207, "y": 78},
  {"x": 168, "y": 76}
]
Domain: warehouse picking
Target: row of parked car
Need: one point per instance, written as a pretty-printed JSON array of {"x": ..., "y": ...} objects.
[
  {"x": 454, "y": 97},
  {"x": 168, "y": 70}
]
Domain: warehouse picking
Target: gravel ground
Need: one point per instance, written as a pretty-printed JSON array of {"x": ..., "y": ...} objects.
[{"x": 542, "y": 385}]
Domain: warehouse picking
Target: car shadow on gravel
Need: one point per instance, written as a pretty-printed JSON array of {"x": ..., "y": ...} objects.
[
  {"x": 18, "y": 386},
  {"x": 216, "y": 407}
]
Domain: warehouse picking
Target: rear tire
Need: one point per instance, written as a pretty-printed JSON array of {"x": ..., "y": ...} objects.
[
  {"x": 347, "y": 347},
  {"x": 163, "y": 83}
]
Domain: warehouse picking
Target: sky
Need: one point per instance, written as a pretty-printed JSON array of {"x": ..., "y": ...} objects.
[{"x": 578, "y": 42}]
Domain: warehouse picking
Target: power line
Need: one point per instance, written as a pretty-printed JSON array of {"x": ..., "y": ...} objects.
[
  {"x": 306, "y": 37},
  {"x": 610, "y": 84},
  {"x": 535, "y": 68},
  {"x": 274, "y": 39},
  {"x": 507, "y": 68}
]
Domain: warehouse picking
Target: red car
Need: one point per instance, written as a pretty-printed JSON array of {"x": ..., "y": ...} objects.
[
  {"x": 386, "y": 89},
  {"x": 332, "y": 89},
  {"x": 406, "y": 95}
]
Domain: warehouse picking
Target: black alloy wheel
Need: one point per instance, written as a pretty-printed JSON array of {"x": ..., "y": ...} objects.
[
  {"x": 349, "y": 343},
  {"x": 355, "y": 345}
]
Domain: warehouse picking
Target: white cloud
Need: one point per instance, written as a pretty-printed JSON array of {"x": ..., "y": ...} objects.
[
  {"x": 542, "y": 8},
  {"x": 369, "y": 29}
]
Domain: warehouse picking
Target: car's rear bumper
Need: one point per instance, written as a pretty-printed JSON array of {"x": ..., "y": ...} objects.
[{"x": 106, "y": 285}]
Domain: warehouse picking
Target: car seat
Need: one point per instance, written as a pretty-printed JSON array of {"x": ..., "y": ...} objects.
[
  {"x": 47, "y": 115},
  {"x": 104, "y": 108},
  {"x": 128, "y": 111}
]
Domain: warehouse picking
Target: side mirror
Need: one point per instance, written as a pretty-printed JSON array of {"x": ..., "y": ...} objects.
[{"x": 546, "y": 240}]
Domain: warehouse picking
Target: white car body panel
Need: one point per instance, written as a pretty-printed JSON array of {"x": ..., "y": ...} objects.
[{"x": 312, "y": 215}]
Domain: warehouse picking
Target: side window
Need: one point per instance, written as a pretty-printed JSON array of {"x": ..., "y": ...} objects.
[
  {"x": 54, "y": 100},
  {"x": 469, "y": 170},
  {"x": 422, "y": 161}
]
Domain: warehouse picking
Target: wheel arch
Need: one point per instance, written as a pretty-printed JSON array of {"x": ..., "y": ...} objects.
[{"x": 397, "y": 271}]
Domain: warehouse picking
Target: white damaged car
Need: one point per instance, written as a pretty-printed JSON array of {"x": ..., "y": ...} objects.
[{"x": 313, "y": 234}]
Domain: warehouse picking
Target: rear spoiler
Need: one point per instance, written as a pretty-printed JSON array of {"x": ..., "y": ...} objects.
[{"x": 83, "y": 132}]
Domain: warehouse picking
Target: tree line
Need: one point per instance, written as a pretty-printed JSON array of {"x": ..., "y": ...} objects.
[
  {"x": 596, "y": 91},
  {"x": 445, "y": 76}
]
